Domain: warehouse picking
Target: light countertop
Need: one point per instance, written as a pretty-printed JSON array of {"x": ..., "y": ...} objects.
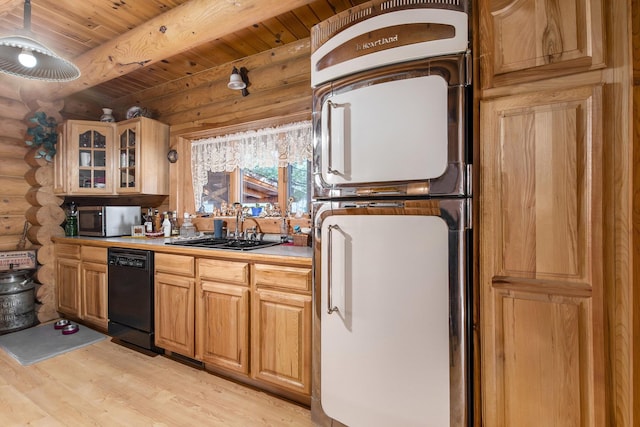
[{"x": 300, "y": 253}]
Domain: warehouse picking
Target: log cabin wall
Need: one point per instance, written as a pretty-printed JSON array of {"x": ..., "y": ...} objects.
[{"x": 27, "y": 203}]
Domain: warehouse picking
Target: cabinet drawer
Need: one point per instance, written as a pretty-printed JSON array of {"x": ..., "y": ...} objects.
[
  {"x": 224, "y": 271},
  {"x": 65, "y": 250},
  {"x": 94, "y": 254},
  {"x": 277, "y": 276},
  {"x": 175, "y": 264}
]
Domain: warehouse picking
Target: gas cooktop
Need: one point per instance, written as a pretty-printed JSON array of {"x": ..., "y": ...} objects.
[{"x": 222, "y": 243}]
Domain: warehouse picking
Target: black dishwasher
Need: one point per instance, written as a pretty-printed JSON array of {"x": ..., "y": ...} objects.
[{"x": 131, "y": 302}]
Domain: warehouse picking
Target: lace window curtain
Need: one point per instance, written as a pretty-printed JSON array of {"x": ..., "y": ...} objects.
[{"x": 275, "y": 146}]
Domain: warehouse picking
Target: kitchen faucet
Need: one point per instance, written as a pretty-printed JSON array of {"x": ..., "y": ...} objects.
[
  {"x": 255, "y": 230},
  {"x": 239, "y": 218}
]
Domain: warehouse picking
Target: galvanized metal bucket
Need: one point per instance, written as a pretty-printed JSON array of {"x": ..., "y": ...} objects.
[{"x": 17, "y": 300}]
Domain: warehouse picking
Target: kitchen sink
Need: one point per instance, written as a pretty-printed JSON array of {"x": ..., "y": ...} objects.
[{"x": 221, "y": 243}]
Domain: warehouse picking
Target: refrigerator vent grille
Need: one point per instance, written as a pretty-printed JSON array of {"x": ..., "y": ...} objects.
[{"x": 323, "y": 31}]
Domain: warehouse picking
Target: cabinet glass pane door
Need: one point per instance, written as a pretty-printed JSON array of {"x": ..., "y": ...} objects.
[
  {"x": 92, "y": 155},
  {"x": 127, "y": 158}
]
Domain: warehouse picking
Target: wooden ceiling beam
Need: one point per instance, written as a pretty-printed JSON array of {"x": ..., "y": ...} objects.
[{"x": 178, "y": 30}]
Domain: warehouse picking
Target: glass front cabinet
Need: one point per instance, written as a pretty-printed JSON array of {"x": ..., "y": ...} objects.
[{"x": 99, "y": 158}]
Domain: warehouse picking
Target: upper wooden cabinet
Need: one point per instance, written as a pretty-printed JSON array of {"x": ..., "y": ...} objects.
[
  {"x": 85, "y": 158},
  {"x": 142, "y": 165},
  {"x": 98, "y": 158},
  {"x": 525, "y": 40}
]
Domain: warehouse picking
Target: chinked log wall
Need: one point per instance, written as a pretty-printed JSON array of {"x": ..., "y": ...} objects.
[{"x": 26, "y": 193}]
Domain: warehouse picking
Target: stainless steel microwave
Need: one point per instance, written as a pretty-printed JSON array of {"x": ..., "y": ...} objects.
[{"x": 107, "y": 221}]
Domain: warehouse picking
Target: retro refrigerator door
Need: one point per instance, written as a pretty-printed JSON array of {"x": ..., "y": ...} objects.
[
  {"x": 398, "y": 131},
  {"x": 392, "y": 328}
]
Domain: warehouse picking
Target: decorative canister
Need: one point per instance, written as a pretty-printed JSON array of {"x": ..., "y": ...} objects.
[
  {"x": 107, "y": 116},
  {"x": 17, "y": 300}
]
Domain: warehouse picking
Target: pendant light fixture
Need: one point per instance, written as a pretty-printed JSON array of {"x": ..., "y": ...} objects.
[{"x": 24, "y": 57}]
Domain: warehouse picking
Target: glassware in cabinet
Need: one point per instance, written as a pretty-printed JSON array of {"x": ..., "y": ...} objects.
[
  {"x": 91, "y": 156},
  {"x": 127, "y": 157}
]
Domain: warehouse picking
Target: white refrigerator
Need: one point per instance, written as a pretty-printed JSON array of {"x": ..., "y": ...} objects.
[{"x": 392, "y": 217}]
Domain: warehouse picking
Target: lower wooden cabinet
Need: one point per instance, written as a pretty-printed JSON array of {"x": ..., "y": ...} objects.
[
  {"x": 223, "y": 326},
  {"x": 174, "y": 315},
  {"x": 281, "y": 327},
  {"x": 281, "y": 340},
  {"x": 222, "y": 314},
  {"x": 68, "y": 286},
  {"x": 81, "y": 283},
  {"x": 93, "y": 307}
]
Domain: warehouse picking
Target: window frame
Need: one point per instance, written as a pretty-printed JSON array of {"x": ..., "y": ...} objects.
[{"x": 181, "y": 183}]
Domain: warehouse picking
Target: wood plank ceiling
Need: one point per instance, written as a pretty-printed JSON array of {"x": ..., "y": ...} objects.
[{"x": 72, "y": 28}]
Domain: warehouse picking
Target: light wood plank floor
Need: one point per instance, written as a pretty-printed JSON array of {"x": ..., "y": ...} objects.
[{"x": 106, "y": 384}]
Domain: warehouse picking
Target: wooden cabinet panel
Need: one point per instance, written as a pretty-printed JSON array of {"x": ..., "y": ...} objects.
[
  {"x": 287, "y": 278},
  {"x": 545, "y": 341},
  {"x": 523, "y": 40},
  {"x": 64, "y": 250},
  {"x": 88, "y": 158},
  {"x": 541, "y": 269},
  {"x": 175, "y": 313},
  {"x": 222, "y": 317},
  {"x": 542, "y": 178},
  {"x": 281, "y": 340},
  {"x": 175, "y": 264},
  {"x": 68, "y": 286},
  {"x": 94, "y": 293},
  {"x": 224, "y": 271},
  {"x": 142, "y": 146},
  {"x": 94, "y": 254}
]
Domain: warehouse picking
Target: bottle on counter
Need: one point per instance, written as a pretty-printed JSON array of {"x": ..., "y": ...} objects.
[
  {"x": 148, "y": 221},
  {"x": 284, "y": 231},
  {"x": 187, "y": 229},
  {"x": 157, "y": 221},
  {"x": 71, "y": 226},
  {"x": 166, "y": 225},
  {"x": 175, "y": 230}
]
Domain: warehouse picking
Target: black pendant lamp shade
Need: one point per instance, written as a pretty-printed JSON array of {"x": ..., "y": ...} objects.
[{"x": 24, "y": 57}]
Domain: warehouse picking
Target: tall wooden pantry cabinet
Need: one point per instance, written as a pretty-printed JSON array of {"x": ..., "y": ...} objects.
[{"x": 555, "y": 225}]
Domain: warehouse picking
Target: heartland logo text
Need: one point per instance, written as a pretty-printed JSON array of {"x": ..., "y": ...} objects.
[{"x": 379, "y": 42}]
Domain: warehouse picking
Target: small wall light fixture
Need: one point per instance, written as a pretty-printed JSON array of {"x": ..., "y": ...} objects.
[{"x": 239, "y": 80}]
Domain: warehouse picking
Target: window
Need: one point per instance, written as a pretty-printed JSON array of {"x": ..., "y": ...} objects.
[
  {"x": 299, "y": 187},
  {"x": 266, "y": 166},
  {"x": 259, "y": 185},
  {"x": 215, "y": 191}
]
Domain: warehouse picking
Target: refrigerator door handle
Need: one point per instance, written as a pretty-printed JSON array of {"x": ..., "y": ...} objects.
[
  {"x": 330, "y": 307},
  {"x": 330, "y": 106}
]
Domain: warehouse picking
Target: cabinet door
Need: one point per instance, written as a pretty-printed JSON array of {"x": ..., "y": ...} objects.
[
  {"x": 142, "y": 146},
  {"x": 174, "y": 314},
  {"x": 94, "y": 294},
  {"x": 281, "y": 340},
  {"x": 541, "y": 266},
  {"x": 223, "y": 326},
  {"x": 90, "y": 157},
  {"x": 128, "y": 158},
  {"x": 523, "y": 40},
  {"x": 68, "y": 286}
]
